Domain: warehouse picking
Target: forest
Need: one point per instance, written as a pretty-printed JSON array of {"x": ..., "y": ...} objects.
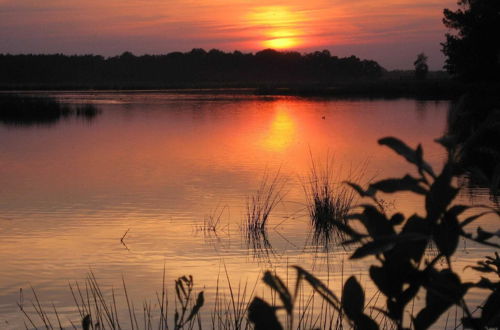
[{"x": 195, "y": 68}]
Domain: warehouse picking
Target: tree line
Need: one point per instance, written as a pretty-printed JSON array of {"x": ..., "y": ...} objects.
[{"x": 196, "y": 67}]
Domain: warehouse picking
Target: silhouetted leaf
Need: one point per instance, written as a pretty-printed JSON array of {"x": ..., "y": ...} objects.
[
  {"x": 397, "y": 219},
  {"x": 363, "y": 193},
  {"x": 472, "y": 218},
  {"x": 446, "y": 234},
  {"x": 407, "y": 183},
  {"x": 421, "y": 164},
  {"x": 490, "y": 316},
  {"x": 416, "y": 225},
  {"x": 483, "y": 235},
  {"x": 443, "y": 290},
  {"x": 319, "y": 287},
  {"x": 399, "y": 147},
  {"x": 366, "y": 323},
  {"x": 275, "y": 283},
  {"x": 375, "y": 247},
  {"x": 408, "y": 153},
  {"x": 485, "y": 283},
  {"x": 376, "y": 223},
  {"x": 440, "y": 195},
  {"x": 456, "y": 210},
  {"x": 196, "y": 308},
  {"x": 379, "y": 277},
  {"x": 263, "y": 315},
  {"x": 447, "y": 141},
  {"x": 353, "y": 299}
]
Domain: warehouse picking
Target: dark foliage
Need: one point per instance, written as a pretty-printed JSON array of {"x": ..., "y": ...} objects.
[
  {"x": 473, "y": 53},
  {"x": 194, "y": 68}
]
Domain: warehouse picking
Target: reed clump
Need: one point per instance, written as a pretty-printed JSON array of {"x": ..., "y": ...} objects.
[
  {"x": 260, "y": 205},
  {"x": 20, "y": 109},
  {"x": 26, "y": 110},
  {"x": 329, "y": 201}
]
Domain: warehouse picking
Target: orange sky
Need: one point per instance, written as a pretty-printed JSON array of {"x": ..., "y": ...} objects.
[{"x": 391, "y": 31}]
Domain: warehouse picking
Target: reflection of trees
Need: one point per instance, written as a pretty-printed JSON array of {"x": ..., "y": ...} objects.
[{"x": 474, "y": 130}]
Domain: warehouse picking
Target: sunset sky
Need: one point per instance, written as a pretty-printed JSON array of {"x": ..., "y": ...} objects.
[{"x": 391, "y": 32}]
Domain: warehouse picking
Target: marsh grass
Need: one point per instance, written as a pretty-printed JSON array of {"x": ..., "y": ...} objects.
[
  {"x": 329, "y": 200},
  {"x": 260, "y": 205},
  {"x": 26, "y": 110},
  {"x": 19, "y": 110},
  {"x": 98, "y": 308}
]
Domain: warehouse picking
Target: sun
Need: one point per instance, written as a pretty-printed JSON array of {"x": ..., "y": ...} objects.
[
  {"x": 280, "y": 43},
  {"x": 279, "y": 26}
]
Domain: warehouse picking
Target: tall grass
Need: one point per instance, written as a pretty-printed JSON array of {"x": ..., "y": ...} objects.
[
  {"x": 328, "y": 199},
  {"x": 100, "y": 309},
  {"x": 259, "y": 206},
  {"x": 258, "y": 209}
]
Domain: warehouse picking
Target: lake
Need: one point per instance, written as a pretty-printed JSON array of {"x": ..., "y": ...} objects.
[{"x": 154, "y": 167}]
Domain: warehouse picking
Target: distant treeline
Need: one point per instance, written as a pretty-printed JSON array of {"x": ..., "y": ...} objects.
[{"x": 196, "y": 68}]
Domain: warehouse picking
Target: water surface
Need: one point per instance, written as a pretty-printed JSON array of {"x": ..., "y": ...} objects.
[{"x": 158, "y": 164}]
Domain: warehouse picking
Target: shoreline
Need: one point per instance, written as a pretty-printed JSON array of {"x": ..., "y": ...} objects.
[{"x": 432, "y": 89}]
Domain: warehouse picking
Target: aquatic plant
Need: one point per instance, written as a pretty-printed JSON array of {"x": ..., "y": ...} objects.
[
  {"x": 329, "y": 200},
  {"x": 259, "y": 206}
]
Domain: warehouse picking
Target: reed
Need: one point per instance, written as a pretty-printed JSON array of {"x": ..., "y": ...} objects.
[
  {"x": 260, "y": 205},
  {"x": 212, "y": 222},
  {"x": 329, "y": 200}
]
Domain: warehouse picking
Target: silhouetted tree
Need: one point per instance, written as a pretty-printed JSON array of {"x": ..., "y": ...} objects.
[
  {"x": 473, "y": 53},
  {"x": 194, "y": 68},
  {"x": 421, "y": 67}
]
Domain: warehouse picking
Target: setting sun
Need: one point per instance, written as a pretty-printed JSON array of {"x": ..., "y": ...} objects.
[
  {"x": 279, "y": 25},
  {"x": 280, "y": 43}
]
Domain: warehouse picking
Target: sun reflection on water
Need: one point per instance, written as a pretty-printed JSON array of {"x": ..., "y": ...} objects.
[{"x": 282, "y": 131}]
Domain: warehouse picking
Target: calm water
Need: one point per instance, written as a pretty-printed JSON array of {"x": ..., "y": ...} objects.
[{"x": 159, "y": 164}]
